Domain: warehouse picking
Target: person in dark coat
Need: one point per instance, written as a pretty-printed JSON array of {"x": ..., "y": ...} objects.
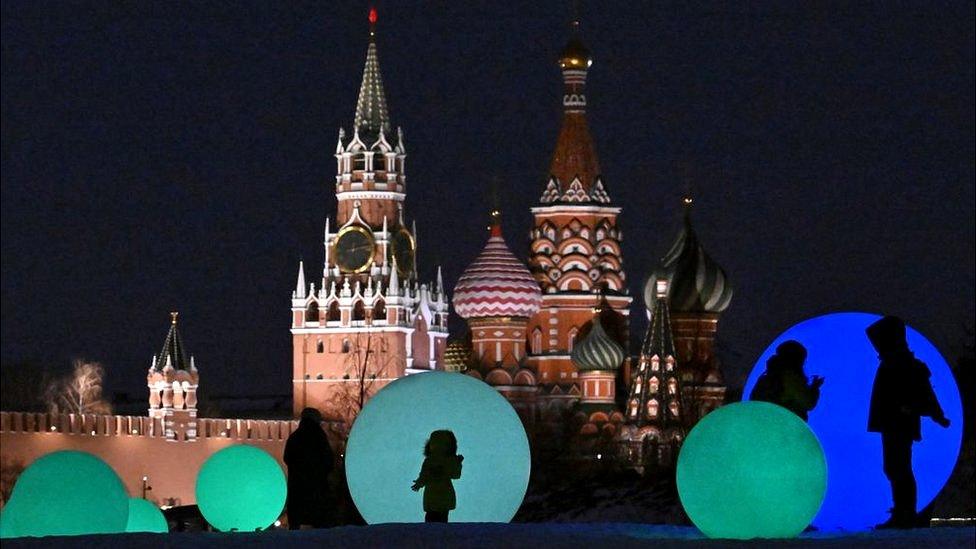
[
  {"x": 785, "y": 383},
  {"x": 309, "y": 459},
  {"x": 441, "y": 464},
  {"x": 901, "y": 395}
]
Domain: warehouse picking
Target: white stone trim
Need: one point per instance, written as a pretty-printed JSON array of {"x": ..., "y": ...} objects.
[{"x": 367, "y": 195}]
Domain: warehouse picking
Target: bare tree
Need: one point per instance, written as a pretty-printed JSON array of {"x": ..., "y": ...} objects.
[
  {"x": 80, "y": 392},
  {"x": 366, "y": 365}
]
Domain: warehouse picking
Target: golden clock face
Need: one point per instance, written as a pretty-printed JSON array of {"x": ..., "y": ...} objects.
[
  {"x": 402, "y": 249},
  {"x": 354, "y": 249}
]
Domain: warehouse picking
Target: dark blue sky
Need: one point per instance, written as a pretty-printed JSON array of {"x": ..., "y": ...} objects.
[{"x": 160, "y": 157}]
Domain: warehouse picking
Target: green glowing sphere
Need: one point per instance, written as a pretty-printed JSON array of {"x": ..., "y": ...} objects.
[
  {"x": 386, "y": 449},
  {"x": 66, "y": 493},
  {"x": 751, "y": 470},
  {"x": 240, "y": 488},
  {"x": 144, "y": 516}
]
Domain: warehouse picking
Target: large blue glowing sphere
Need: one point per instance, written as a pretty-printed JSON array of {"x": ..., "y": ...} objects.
[
  {"x": 241, "y": 488},
  {"x": 858, "y": 494},
  {"x": 751, "y": 470},
  {"x": 66, "y": 493},
  {"x": 385, "y": 449},
  {"x": 144, "y": 516}
]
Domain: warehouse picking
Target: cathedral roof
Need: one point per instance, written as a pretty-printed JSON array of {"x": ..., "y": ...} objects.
[
  {"x": 173, "y": 353},
  {"x": 496, "y": 283},
  {"x": 575, "y": 169},
  {"x": 696, "y": 282},
  {"x": 597, "y": 351},
  {"x": 457, "y": 355},
  {"x": 371, "y": 111}
]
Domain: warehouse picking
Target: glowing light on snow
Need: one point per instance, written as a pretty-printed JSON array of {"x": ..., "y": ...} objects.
[
  {"x": 385, "y": 449},
  {"x": 59, "y": 494},
  {"x": 858, "y": 494},
  {"x": 751, "y": 470},
  {"x": 240, "y": 488},
  {"x": 145, "y": 517}
]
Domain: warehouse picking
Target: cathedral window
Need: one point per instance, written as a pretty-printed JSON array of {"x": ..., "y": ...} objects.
[
  {"x": 359, "y": 162},
  {"x": 358, "y": 311},
  {"x": 379, "y": 162},
  {"x": 652, "y": 385},
  {"x": 379, "y": 311},
  {"x": 672, "y": 386},
  {"x": 633, "y": 408},
  {"x": 652, "y": 407},
  {"x": 537, "y": 341},
  {"x": 312, "y": 312},
  {"x": 573, "y": 332},
  {"x": 673, "y": 407}
]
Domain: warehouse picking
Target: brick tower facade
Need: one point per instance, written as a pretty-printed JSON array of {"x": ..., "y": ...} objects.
[{"x": 369, "y": 321}]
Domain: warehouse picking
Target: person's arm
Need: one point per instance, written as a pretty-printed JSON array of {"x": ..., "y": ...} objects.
[
  {"x": 423, "y": 477},
  {"x": 928, "y": 402},
  {"x": 456, "y": 467}
]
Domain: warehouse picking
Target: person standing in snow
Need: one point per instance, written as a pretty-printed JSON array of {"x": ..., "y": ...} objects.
[
  {"x": 309, "y": 459},
  {"x": 785, "y": 383},
  {"x": 441, "y": 464},
  {"x": 901, "y": 395}
]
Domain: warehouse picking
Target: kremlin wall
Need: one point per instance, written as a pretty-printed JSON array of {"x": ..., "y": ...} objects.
[{"x": 551, "y": 335}]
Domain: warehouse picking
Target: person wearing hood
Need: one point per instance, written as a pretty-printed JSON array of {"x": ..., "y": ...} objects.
[
  {"x": 785, "y": 383},
  {"x": 309, "y": 458},
  {"x": 441, "y": 464},
  {"x": 901, "y": 395}
]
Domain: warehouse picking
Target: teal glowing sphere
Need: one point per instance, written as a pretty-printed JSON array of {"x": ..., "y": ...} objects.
[
  {"x": 751, "y": 470},
  {"x": 144, "y": 516},
  {"x": 241, "y": 488},
  {"x": 858, "y": 494},
  {"x": 385, "y": 449},
  {"x": 66, "y": 493}
]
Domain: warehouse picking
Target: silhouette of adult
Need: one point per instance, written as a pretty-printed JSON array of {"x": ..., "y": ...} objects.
[
  {"x": 902, "y": 393},
  {"x": 441, "y": 464},
  {"x": 785, "y": 383},
  {"x": 309, "y": 459}
]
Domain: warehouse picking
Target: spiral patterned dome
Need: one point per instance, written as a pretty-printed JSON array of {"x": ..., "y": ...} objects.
[
  {"x": 496, "y": 284},
  {"x": 697, "y": 284},
  {"x": 597, "y": 351}
]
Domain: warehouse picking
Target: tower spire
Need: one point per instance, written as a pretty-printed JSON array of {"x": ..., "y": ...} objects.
[
  {"x": 299, "y": 284},
  {"x": 371, "y": 112}
]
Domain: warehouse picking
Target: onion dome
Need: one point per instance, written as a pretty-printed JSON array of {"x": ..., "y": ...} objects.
[
  {"x": 575, "y": 55},
  {"x": 597, "y": 351},
  {"x": 496, "y": 283},
  {"x": 457, "y": 355},
  {"x": 696, "y": 283}
]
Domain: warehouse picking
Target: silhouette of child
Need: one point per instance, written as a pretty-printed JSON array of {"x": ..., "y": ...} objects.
[
  {"x": 901, "y": 395},
  {"x": 785, "y": 383},
  {"x": 441, "y": 464}
]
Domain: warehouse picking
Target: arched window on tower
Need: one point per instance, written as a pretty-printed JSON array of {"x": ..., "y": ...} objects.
[
  {"x": 379, "y": 311},
  {"x": 672, "y": 386},
  {"x": 537, "y": 341},
  {"x": 652, "y": 385},
  {"x": 320, "y": 347},
  {"x": 312, "y": 312},
  {"x": 379, "y": 161},
  {"x": 652, "y": 407},
  {"x": 632, "y": 411},
  {"x": 334, "y": 315},
  {"x": 359, "y": 161},
  {"x": 358, "y": 311},
  {"x": 346, "y": 346},
  {"x": 571, "y": 339}
]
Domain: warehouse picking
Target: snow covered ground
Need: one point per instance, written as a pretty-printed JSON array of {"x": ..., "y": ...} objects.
[{"x": 534, "y": 536}]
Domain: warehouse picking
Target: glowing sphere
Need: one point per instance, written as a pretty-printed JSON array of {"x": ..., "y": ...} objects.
[
  {"x": 59, "y": 493},
  {"x": 858, "y": 494},
  {"x": 385, "y": 449},
  {"x": 240, "y": 488},
  {"x": 144, "y": 516},
  {"x": 751, "y": 470}
]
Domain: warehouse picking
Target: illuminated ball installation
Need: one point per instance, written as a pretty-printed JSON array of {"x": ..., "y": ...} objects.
[
  {"x": 66, "y": 493},
  {"x": 385, "y": 449},
  {"x": 751, "y": 470},
  {"x": 241, "y": 488},
  {"x": 858, "y": 494},
  {"x": 144, "y": 516}
]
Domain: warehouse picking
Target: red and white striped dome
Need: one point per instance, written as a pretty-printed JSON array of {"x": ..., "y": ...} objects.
[{"x": 496, "y": 284}]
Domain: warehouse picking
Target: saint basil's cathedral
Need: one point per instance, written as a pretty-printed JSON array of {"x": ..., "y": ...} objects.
[{"x": 550, "y": 334}]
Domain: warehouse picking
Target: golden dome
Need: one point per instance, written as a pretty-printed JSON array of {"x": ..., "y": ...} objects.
[{"x": 575, "y": 55}]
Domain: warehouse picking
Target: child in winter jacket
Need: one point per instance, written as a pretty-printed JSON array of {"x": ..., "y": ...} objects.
[{"x": 441, "y": 464}]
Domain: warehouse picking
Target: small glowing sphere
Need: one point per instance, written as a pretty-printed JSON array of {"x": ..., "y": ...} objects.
[
  {"x": 145, "y": 517},
  {"x": 66, "y": 493},
  {"x": 858, "y": 494},
  {"x": 385, "y": 449},
  {"x": 751, "y": 470},
  {"x": 240, "y": 488}
]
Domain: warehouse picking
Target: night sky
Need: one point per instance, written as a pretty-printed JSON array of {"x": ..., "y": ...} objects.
[{"x": 160, "y": 157}]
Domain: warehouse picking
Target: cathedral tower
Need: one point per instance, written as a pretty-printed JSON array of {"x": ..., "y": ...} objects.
[
  {"x": 575, "y": 243},
  {"x": 369, "y": 321}
]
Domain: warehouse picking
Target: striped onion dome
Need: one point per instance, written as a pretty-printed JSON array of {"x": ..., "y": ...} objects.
[
  {"x": 597, "y": 351},
  {"x": 697, "y": 284},
  {"x": 496, "y": 284}
]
